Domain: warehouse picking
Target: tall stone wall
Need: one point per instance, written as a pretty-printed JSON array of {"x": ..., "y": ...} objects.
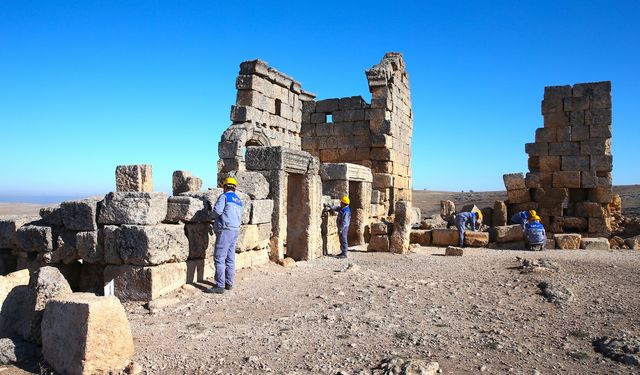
[
  {"x": 570, "y": 162},
  {"x": 376, "y": 135}
]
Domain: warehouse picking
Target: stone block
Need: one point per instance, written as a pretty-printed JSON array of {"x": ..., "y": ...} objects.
[
  {"x": 453, "y": 251},
  {"x": 34, "y": 238},
  {"x": 599, "y": 243},
  {"x": 564, "y": 148},
  {"x": 602, "y": 131},
  {"x": 382, "y": 181},
  {"x": 380, "y": 228},
  {"x": 187, "y": 209},
  {"x": 400, "y": 237},
  {"x": 254, "y": 67},
  {"x": 556, "y": 120},
  {"x": 537, "y": 149},
  {"x": 579, "y": 133},
  {"x": 9, "y": 225},
  {"x": 567, "y": 241},
  {"x": 378, "y": 242},
  {"x": 588, "y": 180},
  {"x": 533, "y": 180},
  {"x": 89, "y": 246},
  {"x": 576, "y": 103},
  {"x": 140, "y": 283},
  {"x": 604, "y": 180},
  {"x": 278, "y": 158},
  {"x": 328, "y": 105},
  {"x": 601, "y": 163},
  {"x": 64, "y": 247},
  {"x": 145, "y": 245},
  {"x": 345, "y": 171},
  {"x": 261, "y": 211},
  {"x": 51, "y": 215},
  {"x": 566, "y": 179},
  {"x": 518, "y": 195},
  {"x": 553, "y": 98},
  {"x": 421, "y": 237},
  {"x": 134, "y": 208},
  {"x": 13, "y": 293},
  {"x": 600, "y": 195},
  {"x": 253, "y": 184},
  {"x": 506, "y": 233},
  {"x": 81, "y": 214},
  {"x": 633, "y": 242},
  {"x": 250, "y": 259},
  {"x": 444, "y": 237},
  {"x": 249, "y": 239},
  {"x": 576, "y": 119},
  {"x": 499, "y": 214},
  {"x": 201, "y": 238},
  {"x": 86, "y": 334},
  {"x": 134, "y": 178},
  {"x": 572, "y": 223},
  {"x": 595, "y": 146},
  {"x": 575, "y": 163},
  {"x": 544, "y": 163},
  {"x": 476, "y": 239},
  {"x": 514, "y": 181},
  {"x": 185, "y": 181},
  {"x": 551, "y": 197},
  {"x": 546, "y": 135},
  {"x": 600, "y": 225},
  {"x": 353, "y": 102},
  {"x": 591, "y": 209}
]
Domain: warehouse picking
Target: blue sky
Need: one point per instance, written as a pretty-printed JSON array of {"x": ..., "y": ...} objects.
[{"x": 88, "y": 85}]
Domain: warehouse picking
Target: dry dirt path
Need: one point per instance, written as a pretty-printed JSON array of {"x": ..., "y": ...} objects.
[{"x": 471, "y": 314}]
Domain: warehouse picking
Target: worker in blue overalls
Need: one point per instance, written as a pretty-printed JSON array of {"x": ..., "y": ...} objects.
[
  {"x": 227, "y": 214},
  {"x": 535, "y": 236},
  {"x": 523, "y": 217},
  {"x": 343, "y": 221},
  {"x": 464, "y": 218}
]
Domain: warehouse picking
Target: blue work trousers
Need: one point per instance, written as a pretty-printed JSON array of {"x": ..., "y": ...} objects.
[
  {"x": 344, "y": 245},
  {"x": 460, "y": 222},
  {"x": 224, "y": 257}
]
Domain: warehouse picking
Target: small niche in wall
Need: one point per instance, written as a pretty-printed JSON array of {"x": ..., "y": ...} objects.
[
  {"x": 328, "y": 118},
  {"x": 278, "y": 107}
]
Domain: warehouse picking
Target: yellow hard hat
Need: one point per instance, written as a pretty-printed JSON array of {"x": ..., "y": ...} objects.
[
  {"x": 230, "y": 181},
  {"x": 345, "y": 200},
  {"x": 535, "y": 218},
  {"x": 532, "y": 213},
  {"x": 479, "y": 215}
]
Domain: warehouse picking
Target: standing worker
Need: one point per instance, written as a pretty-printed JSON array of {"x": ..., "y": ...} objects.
[
  {"x": 464, "y": 218},
  {"x": 343, "y": 221},
  {"x": 535, "y": 236},
  {"x": 227, "y": 213},
  {"x": 523, "y": 217}
]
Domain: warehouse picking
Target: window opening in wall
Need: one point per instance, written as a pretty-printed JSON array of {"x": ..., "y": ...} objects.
[
  {"x": 328, "y": 118},
  {"x": 278, "y": 107}
]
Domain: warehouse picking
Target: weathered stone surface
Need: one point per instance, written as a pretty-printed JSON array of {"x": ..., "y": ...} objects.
[
  {"x": 567, "y": 240},
  {"x": 201, "y": 238},
  {"x": 447, "y": 210},
  {"x": 9, "y": 224},
  {"x": 65, "y": 247},
  {"x": 278, "y": 158},
  {"x": 345, "y": 171},
  {"x": 599, "y": 243},
  {"x": 400, "y": 237},
  {"x": 250, "y": 238},
  {"x": 186, "y": 209},
  {"x": 633, "y": 242},
  {"x": 506, "y": 233},
  {"x": 140, "y": 283},
  {"x": 261, "y": 211},
  {"x": 34, "y": 238},
  {"x": 454, "y": 251},
  {"x": 435, "y": 221},
  {"x": 252, "y": 183},
  {"x": 519, "y": 195},
  {"x": 250, "y": 259},
  {"x": 133, "y": 208},
  {"x": 378, "y": 242},
  {"x": 444, "y": 237},
  {"x": 591, "y": 209},
  {"x": 566, "y": 179},
  {"x": 81, "y": 214},
  {"x": 51, "y": 215},
  {"x": 89, "y": 246},
  {"x": 145, "y": 245},
  {"x": 514, "y": 181},
  {"x": 14, "y": 351},
  {"x": 45, "y": 284},
  {"x": 476, "y": 239},
  {"x": 380, "y": 228},
  {"x": 184, "y": 181},
  {"x": 86, "y": 334},
  {"x": 134, "y": 178},
  {"x": 600, "y": 225},
  {"x": 13, "y": 293},
  {"x": 499, "y": 214},
  {"x": 421, "y": 237}
]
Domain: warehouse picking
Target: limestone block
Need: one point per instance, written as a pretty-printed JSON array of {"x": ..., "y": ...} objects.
[
  {"x": 140, "y": 283},
  {"x": 575, "y": 163},
  {"x": 261, "y": 211},
  {"x": 476, "y": 239},
  {"x": 9, "y": 224},
  {"x": 65, "y": 247},
  {"x": 327, "y": 105},
  {"x": 601, "y": 163},
  {"x": 184, "y": 181},
  {"x": 599, "y": 243},
  {"x": 278, "y": 158},
  {"x": 145, "y": 245},
  {"x": 506, "y": 233},
  {"x": 253, "y": 184},
  {"x": 563, "y": 134},
  {"x": 600, "y": 195},
  {"x": 633, "y": 242},
  {"x": 447, "y": 210},
  {"x": 566, "y": 179},
  {"x": 34, "y": 238},
  {"x": 380, "y": 228},
  {"x": 345, "y": 171},
  {"x": 572, "y": 223},
  {"x": 134, "y": 208},
  {"x": 400, "y": 237},
  {"x": 378, "y": 242},
  {"x": 519, "y": 195},
  {"x": 186, "y": 209},
  {"x": 249, "y": 239},
  {"x": 208, "y": 197},
  {"x": 51, "y": 215},
  {"x": 134, "y": 178},
  {"x": 551, "y": 197},
  {"x": 13, "y": 293},
  {"x": 454, "y": 251},
  {"x": 382, "y": 181},
  {"x": 444, "y": 237},
  {"x": 201, "y": 238},
  {"x": 250, "y": 259},
  {"x": 591, "y": 209},
  {"x": 89, "y": 246},
  {"x": 599, "y": 225},
  {"x": 86, "y": 334},
  {"x": 81, "y": 214},
  {"x": 421, "y": 237},
  {"x": 514, "y": 181},
  {"x": 553, "y": 98},
  {"x": 545, "y": 135},
  {"x": 603, "y": 131},
  {"x": 595, "y": 146},
  {"x": 556, "y": 120},
  {"x": 45, "y": 284},
  {"x": 536, "y": 149},
  {"x": 564, "y": 148},
  {"x": 544, "y": 163},
  {"x": 499, "y": 213},
  {"x": 567, "y": 241}
]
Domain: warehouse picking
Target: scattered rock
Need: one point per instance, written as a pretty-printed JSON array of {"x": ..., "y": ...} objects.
[
  {"x": 454, "y": 251},
  {"x": 134, "y": 368},
  {"x": 622, "y": 349},
  {"x": 555, "y": 293},
  {"x": 537, "y": 265},
  {"x": 17, "y": 351},
  {"x": 405, "y": 366},
  {"x": 288, "y": 262},
  {"x": 568, "y": 241}
]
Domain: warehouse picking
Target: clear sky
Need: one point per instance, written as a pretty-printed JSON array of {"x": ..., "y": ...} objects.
[{"x": 88, "y": 85}]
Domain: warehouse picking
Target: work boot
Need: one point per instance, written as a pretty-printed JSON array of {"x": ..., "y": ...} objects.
[
  {"x": 341, "y": 256},
  {"x": 215, "y": 290},
  {"x": 228, "y": 287}
]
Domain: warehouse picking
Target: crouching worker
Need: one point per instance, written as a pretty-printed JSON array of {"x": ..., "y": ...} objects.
[
  {"x": 227, "y": 214},
  {"x": 343, "y": 221},
  {"x": 523, "y": 217},
  {"x": 535, "y": 236},
  {"x": 464, "y": 218}
]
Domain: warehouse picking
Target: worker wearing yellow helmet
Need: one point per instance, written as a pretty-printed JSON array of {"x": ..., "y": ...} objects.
[
  {"x": 227, "y": 214},
  {"x": 535, "y": 236},
  {"x": 343, "y": 221},
  {"x": 464, "y": 218},
  {"x": 523, "y": 217}
]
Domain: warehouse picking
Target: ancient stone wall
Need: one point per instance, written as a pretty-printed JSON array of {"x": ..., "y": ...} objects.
[
  {"x": 376, "y": 135},
  {"x": 570, "y": 162}
]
